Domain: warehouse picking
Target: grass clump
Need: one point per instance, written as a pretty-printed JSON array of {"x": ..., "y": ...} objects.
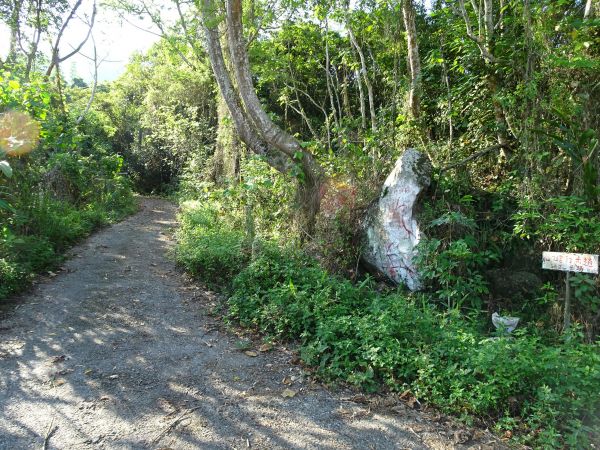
[
  {"x": 38, "y": 226},
  {"x": 207, "y": 248},
  {"x": 36, "y": 238}
]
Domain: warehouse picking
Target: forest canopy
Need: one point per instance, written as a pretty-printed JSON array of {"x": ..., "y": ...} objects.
[{"x": 275, "y": 124}]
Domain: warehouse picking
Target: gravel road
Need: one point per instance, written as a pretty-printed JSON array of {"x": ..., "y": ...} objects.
[{"x": 119, "y": 351}]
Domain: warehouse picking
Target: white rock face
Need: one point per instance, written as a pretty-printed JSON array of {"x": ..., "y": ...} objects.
[{"x": 391, "y": 229}]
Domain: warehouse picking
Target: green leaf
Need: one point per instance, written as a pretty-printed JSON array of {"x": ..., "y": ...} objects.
[
  {"x": 6, "y": 169},
  {"x": 7, "y": 207}
]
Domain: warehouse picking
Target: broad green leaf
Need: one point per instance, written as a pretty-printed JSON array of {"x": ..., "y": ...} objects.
[
  {"x": 5, "y": 206},
  {"x": 6, "y": 169}
]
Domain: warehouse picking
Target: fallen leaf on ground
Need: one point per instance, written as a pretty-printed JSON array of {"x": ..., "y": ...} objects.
[
  {"x": 461, "y": 436},
  {"x": 60, "y": 358},
  {"x": 251, "y": 353},
  {"x": 288, "y": 393},
  {"x": 287, "y": 380},
  {"x": 410, "y": 399},
  {"x": 265, "y": 348}
]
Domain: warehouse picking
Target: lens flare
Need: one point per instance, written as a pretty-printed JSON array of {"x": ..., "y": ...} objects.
[{"x": 19, "y": 133}]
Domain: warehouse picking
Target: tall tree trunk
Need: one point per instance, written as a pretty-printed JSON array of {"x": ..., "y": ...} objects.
[
  {"x": 363, "y": 65},
  {"x": 484, "y": 41},
  {"x": 345, "y": 96},
  {"x": 361, "y": 95},
  {"x": 225, "y": 162},
  {"x": 446, "y": 79},
  {"x": 14, "y": 25},
  {"x": 36, "y": 39},
  {"x": 61, "y": 101},
  {"x": 329, "y": 80},
  {"x": 592, "y": 9},
  {"x": 228, "y": 148},
  {"x": 414, "y": 97}
]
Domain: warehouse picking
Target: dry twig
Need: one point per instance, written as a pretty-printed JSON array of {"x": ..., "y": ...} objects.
[
  {"x": 49, "y": 432},
  {"x": 173, "y": 424}
]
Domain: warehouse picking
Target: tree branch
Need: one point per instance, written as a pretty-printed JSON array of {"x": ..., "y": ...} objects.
[
  {"x": 487, "y": 55},
  {"x": 476, "y": 155},
  {"x": 93, "y": 93},
  {"x": 55, "y": 48}
]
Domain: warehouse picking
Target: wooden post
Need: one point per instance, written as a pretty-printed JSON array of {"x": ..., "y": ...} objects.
[
  {"x": 567, "y": 312},
  {"x": 569, "y": 262}
]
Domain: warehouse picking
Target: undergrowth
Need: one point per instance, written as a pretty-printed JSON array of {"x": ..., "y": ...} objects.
[
  {"x": 58, "y": 190},
  {"x": 34, "y": 240},
  {"x": 545, "y": 394}
]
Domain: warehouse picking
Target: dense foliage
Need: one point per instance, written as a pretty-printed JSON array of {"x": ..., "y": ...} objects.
[
  {"x": 68, "y": 185},
  {"x": 502, "y": 96},
  {"x": 508, "y": 117},
  {"x": 543, "y": 390}
]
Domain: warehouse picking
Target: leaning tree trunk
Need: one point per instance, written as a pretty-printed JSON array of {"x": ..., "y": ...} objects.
[
  {"x": 229, "y": 95},
  {"x": 252, "y": 123},
  {"x": 312, "y": 174}
]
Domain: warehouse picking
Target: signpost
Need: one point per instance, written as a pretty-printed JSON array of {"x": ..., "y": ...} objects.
[{"x": 569, "y": 262}]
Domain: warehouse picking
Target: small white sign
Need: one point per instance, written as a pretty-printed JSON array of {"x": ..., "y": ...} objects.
[{"x": 570, "y": 262}]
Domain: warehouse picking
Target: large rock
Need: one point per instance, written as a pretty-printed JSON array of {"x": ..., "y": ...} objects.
[{"x": 391, "y": 229}]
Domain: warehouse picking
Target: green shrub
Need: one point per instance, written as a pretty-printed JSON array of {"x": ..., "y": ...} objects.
[
  {"x": 20, "y": 258},
  {"x": 566, "y": 224},
  {"x": 58, "y": 193},
  {"x": 454, "y": 271},
  {"x": 349, "y": 332},
  {"x": 286, "y": 293},
  {"x": 10, "y": 277},
  {"x": 545, "y": 394},
  {"x": 215, "y": 257},
  {"x": 208, "y": 249}
]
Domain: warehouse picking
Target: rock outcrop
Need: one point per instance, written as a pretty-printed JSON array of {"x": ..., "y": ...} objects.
[{"x": 391, "y": 229}]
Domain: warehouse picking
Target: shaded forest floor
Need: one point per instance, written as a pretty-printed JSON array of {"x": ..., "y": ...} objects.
[{"x": 119, "y": 351}]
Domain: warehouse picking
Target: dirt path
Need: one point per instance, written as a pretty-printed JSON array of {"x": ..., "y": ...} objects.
[{"x": 118, "y": 352}]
